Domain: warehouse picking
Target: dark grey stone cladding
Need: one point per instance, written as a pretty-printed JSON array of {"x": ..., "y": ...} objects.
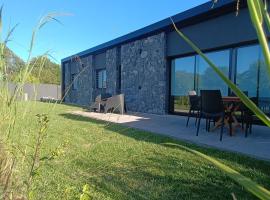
[
  {"x": 142, "y": 78},
  {"x": 84, "y": 70},
  {"x": 112, "y": 69},
  {"x": 143, "y": 74}
]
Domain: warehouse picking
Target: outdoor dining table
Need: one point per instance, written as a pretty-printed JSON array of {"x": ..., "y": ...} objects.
[{"x": 232, "y": 104}]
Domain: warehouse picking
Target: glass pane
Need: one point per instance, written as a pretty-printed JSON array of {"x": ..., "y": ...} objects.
[
  {"x": 100, "y": 79},
  {"x": 247, "y": 69},
  {"x": 182, "y": 81},
  {"x": 264, "y": 86},
  {"x": 207, "y": 77},
  {"x": 104, "y": 78}
]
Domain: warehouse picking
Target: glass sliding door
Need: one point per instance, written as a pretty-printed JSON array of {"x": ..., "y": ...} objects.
[
  {"x": 264, "y": 86},
  {"x": 182, "y": 81},
  {"x": 206, "y": 77},
  {"x": 251, "y": 75},
  {"x": 243, "y": 65},
  {"x": 247, "y": 66}
]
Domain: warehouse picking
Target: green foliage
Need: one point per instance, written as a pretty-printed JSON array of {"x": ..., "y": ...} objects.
[
  {"x": 259, "y": 16},
  {"x": 247, "y": 183},
  {"x": 85, "y": 193},
  {"x": 45, "y": 71},
  {"x": 123, "y": 163},
  {"x": 17, "y": 157}
]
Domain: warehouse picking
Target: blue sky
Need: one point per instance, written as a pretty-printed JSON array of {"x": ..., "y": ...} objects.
[{"x": 91, "y": 22}]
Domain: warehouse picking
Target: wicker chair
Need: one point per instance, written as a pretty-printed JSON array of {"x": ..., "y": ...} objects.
[{"x": 115, "y": 103}]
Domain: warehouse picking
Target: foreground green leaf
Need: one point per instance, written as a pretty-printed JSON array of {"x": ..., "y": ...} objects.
[
  {"x": 247, "y": 183},
  {"x": 256, "y": 11}
]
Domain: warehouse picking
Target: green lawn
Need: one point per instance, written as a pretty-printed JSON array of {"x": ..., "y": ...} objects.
[{"x": 124, "y": 163}]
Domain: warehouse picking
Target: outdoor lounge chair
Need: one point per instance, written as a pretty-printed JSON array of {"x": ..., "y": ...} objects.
[
  {"x": 115, "y": 103},
  {"x": 96, "y": 105}
]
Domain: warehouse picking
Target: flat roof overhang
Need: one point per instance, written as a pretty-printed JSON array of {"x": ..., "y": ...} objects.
[{"x": 188, "y": 17}]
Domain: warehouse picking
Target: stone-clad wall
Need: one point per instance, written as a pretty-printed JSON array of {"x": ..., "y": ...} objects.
[
  {"x": 84, "y": 81},
  {"x": 143, "y": 74},
  {"x": 84, "y": 70},
  {"x": 66, "y": 83},
  {"x": 111, "y": 67}
]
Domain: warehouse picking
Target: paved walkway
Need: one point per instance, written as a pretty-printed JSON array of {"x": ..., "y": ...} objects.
[{"x": 256, "y": 145}]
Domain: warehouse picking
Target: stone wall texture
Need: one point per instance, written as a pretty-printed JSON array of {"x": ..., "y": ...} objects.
[
  {"x": 143, "y": 75},
  {"x": 111, "y": 71},
  {"x": 82, "y": 68},
  {"x": 66, "y": 83}
]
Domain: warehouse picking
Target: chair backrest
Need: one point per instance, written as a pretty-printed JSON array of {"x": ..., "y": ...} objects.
[
  {"x": 246, "y": 109},
  {"x": 98, "y": 98},
  {"x": 192, "y": 93},
  {"x": 194, "y": 101},
  {"x": 211, "y": 101},
  {"x": 106, "y": 95}
]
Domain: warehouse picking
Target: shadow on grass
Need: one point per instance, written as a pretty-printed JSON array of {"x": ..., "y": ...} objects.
[
  {"x": 162, "y": 181},
  {"x": 146, "y": 136},
  {"x": 173, "y": 179}
]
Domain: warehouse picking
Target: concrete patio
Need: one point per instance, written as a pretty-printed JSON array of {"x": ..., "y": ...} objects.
[{"x": 256, "y": 145}]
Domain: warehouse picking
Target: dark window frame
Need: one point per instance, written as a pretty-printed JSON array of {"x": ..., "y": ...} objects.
[
  {"x": 232, "y": 67},
  {"x": 74, "y": 83},
  {"x": 104, "y": 82}
]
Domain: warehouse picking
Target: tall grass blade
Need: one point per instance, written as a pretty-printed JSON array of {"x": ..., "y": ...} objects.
[
  {"x": 264, "y": 10},
  {"x": 256, "y": 13},
  {"x": 9, "y": 34},
  {"x": 1, "y": 22},
  {"x": 235, "y": 89},
  {"x": 251, "y": 186}
]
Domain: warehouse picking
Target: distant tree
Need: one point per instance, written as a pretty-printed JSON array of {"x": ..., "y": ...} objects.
[
  {"x": 45, "y": 71},
  {"x": 12, "y": 61}
]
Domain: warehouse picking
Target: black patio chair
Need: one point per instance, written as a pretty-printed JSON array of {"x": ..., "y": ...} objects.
[
  {"x": 194, "y": 102},
  {"x": 249, "y": 116},
  {"x": 212, "y": 108}
]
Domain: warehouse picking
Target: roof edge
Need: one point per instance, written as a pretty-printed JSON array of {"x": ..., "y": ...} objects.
[{"x": 185, "y": 15}]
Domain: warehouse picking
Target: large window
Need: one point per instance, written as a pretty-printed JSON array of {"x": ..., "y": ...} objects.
[
  {"x": 206, "y": 77},
  {"x": 251, "y": 74},
  {"x": 247, "y": 69},
  {"x": 74, "y": 81},
  {"x": 182, "y": 81},
  {"x": 101, "y": 78},
  {"x": 193, "y": 73},
  {"x": 264, "y": 88},
  {"x": 243, "y": 65}
]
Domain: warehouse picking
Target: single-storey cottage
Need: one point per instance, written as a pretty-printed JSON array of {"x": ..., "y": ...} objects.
[{"x": 154, "y": 68}]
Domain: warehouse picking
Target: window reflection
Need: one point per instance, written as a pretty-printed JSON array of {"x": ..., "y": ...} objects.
[
  {"x": 193, "y": 73},
  {"x": 182, "y": 81},
  {"x": 183, "y": 75},
  {"x": 252, "y": 75},
  {"x": 264, "y": 87},
  {"x": 207, "y": 77},
  {"x": 247, "y": 69}
]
